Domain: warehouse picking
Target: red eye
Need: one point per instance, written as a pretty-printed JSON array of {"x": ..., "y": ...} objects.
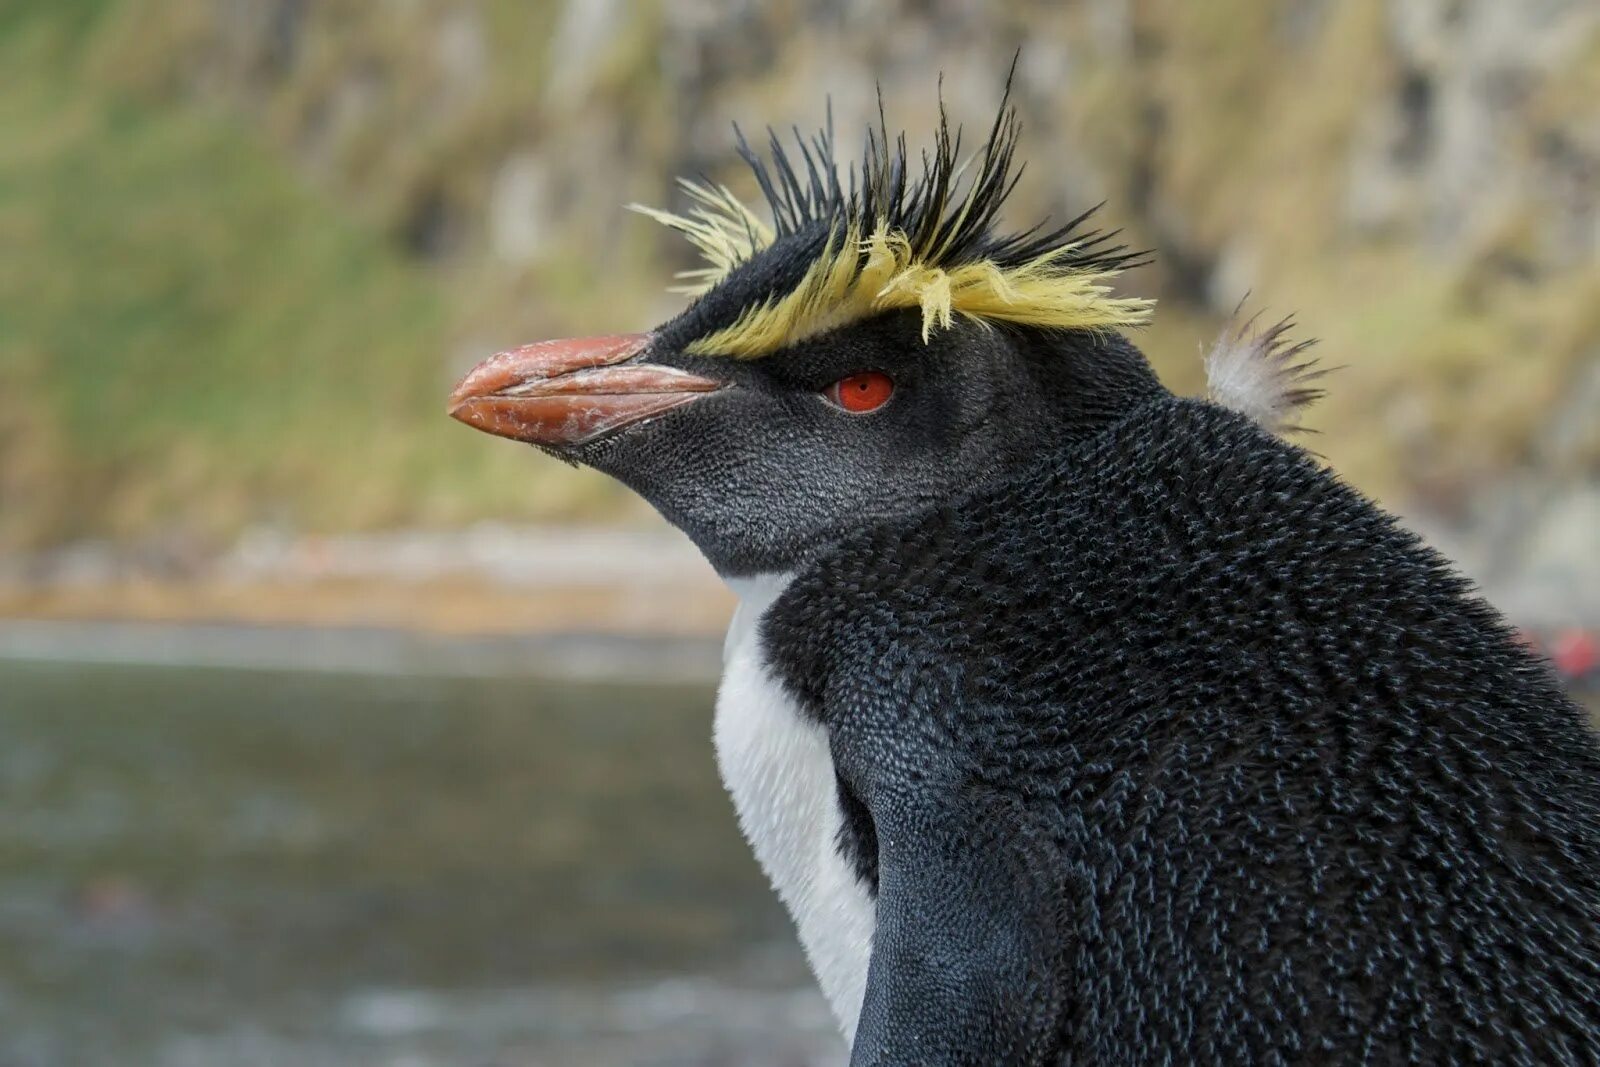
[{"x": 861, "y": 393}]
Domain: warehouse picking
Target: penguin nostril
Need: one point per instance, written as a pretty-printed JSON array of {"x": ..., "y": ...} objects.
[{"x": 861, "y": 393}]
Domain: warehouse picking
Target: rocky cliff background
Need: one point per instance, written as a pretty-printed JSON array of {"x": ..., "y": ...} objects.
[{"x": 245, "y": 245}]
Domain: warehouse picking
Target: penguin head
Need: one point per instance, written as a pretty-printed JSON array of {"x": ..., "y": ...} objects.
[{"x": 877, "y": 348}]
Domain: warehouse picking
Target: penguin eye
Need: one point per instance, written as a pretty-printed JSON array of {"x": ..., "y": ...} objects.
[{"x": 861, "y": 393}]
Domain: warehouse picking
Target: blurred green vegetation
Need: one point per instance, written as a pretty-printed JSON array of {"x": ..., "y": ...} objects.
[{"x": 193, "y": 338}]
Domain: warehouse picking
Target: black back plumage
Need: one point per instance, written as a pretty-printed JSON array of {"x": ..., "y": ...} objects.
[{"x": 1255, "y": 778}]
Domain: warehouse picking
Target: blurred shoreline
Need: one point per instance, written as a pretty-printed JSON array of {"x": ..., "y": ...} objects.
[
  {"x": 485, "y": 580},
  {"x": 577, "y": 603}
]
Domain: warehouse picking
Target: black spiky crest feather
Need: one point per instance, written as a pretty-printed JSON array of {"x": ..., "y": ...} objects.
[{"x": 892, "y": 234}]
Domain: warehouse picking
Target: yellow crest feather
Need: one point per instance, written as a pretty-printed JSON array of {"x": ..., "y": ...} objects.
[
  {"x": 720, "y": 225},
  {"x": 855, "y": 278}
]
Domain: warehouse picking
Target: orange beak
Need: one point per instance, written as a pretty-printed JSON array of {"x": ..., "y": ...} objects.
[{"x": 564, "y": 393}]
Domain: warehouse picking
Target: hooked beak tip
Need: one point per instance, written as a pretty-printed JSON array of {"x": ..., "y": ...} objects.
[{"x": 461, "y": 397}]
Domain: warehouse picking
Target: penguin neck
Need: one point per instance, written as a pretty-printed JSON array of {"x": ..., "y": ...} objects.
[{"x": 756, "y": 593}]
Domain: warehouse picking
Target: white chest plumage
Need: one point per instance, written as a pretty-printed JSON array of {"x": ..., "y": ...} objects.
[{"x": 776, "y": 764}]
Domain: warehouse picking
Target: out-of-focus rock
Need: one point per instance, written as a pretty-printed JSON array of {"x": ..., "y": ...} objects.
[{"x": 518, "y": 208}]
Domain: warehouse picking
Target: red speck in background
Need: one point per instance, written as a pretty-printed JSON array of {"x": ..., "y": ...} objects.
[{"x": 1575, "y": 653}]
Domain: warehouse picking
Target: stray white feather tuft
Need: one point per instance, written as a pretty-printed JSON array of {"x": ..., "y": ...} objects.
[{"x": 1262, "y": 375}]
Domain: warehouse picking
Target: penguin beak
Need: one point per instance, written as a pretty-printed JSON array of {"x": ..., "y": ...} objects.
[{"x": 560, "y": 394}]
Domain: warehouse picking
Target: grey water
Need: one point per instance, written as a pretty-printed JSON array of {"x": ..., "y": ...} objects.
[{"x": 229, "y": 867}]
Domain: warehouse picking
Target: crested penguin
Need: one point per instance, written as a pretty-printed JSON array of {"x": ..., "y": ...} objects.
[{"x": 1074, "y": 721}]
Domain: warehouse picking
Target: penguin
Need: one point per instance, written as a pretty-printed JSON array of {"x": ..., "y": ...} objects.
[{"x": 1074, "y": 721}]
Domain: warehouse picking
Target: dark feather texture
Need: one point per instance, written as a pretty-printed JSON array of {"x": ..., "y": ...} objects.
[
  {"x": 1175, "y": 750},
  {"x": 946, "y": 207}
]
